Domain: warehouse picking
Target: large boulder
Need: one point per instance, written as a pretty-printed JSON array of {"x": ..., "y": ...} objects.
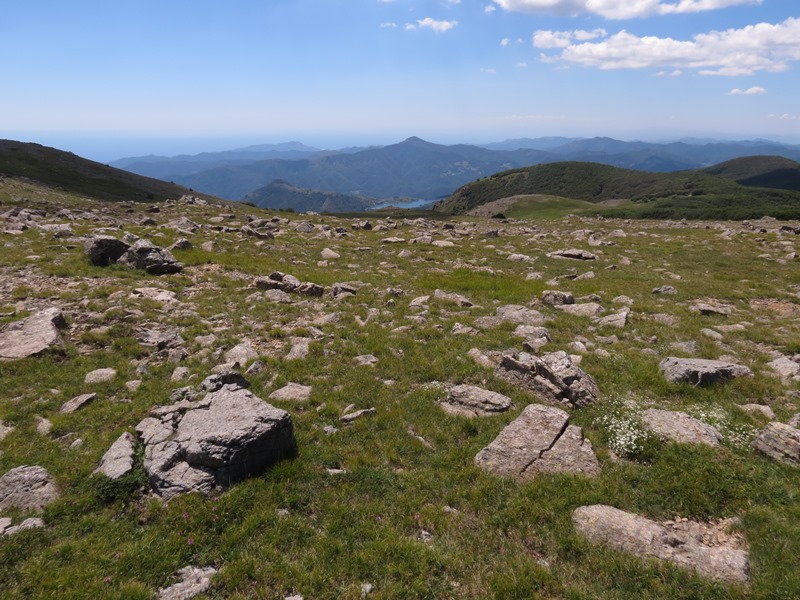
[
  {"x": 27, "y": 488},
  {"x": 473, "y": 401},
  {"x": 552, "y": 377},
  {"x": 701, "y": 372},
  {"x": 149, "y": 257},
  {"x": 781, "y": 442},
  {"x": 33, "y": 335},
  {"x": 229, "y": 435},
  {"x": 684, "y": 544},
  {"x": 540, "y": 440},
  {"x": 104, "y": 250}
]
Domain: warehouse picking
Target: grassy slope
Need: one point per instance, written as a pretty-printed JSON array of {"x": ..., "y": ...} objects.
[
  {"x": 71, "y": 173},
  {"x": 504, "y": 539},
  {"x": 662, "y": 195}
]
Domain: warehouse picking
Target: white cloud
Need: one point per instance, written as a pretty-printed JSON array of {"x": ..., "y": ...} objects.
[
  {"x": 748, "y": 92},
  {"x": 505, "y": 42},
  {"x": 388, "y": 25},
  {"x": 437, "y": 26},
  {"x": 760, "y": 47},
  {"x": 522, "y": 65},
  {"x": 675, "y": 73},
  {"x": 563, "y": 39},
  {"x": 453, "y": 1},
  {"x": 489, "y": 9},
  {"x": 618, "y": 9},
  {"x": 488, "y": 71},
  {"x": 785, "y": 117}
]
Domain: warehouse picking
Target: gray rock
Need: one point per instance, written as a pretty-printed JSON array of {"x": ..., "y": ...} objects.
[
  {"x": 649, "y": 539},
  {"x": 292, "y": 392},
  {"x": 572, "y": 253},
  {"x": 705, "y": 308},
  {"x": 665, "y": 289},
  {"x": 473, "y": 401},
  {"x": 104, "y": 250},
  {"x": 353, "y": 416},
  {"x": 557, "y": 297},
  {"x": 33, "y": 335},
  {"x": 100, "y": 376},
  {"x": 289, "y": 284},
  {"x": 786, "y": 368},
  {"x": 300, "y": 348},
  {"x": 452, "y": 297},
  {"x": 520, "y": 315},
  {"x": 761, "y": 409},
  {"x": 241, "y": 353},
  {"x": 586, "y": 309},
  {"x": 154, "y": 260},
  {"x": 617, "y": 320},
  {"x": 32, "y": 523},
  {"x": 278, "y": 296},
  {"x": 5, "y": 430},
  {"x": 27, "y": 488},
  {"x": 781, "y": 442},
  {"x": 552, "y": 377},
  {"x": 680, "y": 427},
  {"x": 229, "y": 435},
  {"x": 118, "y": 459},
  {"x": 366, "y": 360},
  {"x": 226, "y": 377},
  {"x": 539, "y": 441},
  {"x": 701, "y": 372},
  {"x": 193, "y": 581},
  {"x": 77, "y": 403}
]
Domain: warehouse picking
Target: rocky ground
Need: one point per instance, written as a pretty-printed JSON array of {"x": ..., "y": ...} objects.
[{"x": 214, "y": 399}]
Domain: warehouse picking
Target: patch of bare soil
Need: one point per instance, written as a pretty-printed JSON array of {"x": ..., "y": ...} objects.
[{"x": 782, "y": 307}]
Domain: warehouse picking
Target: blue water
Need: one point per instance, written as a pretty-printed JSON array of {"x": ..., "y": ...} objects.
[{"x": 412, "y": 204}]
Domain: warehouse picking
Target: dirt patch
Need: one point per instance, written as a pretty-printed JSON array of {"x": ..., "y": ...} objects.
[{"x": 781, "y": 307}]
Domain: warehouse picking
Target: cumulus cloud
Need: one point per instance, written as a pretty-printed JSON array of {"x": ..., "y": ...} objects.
[
  {"x": 437, "y": 26},
  {"x": 388, "y": 25},
  {"x": 785, "y": 117},
  {"x": 489, "y": 9},
  {"x": 563, "y": 39},
  {"x": 489, "y": 71},
  {"x": 675, "y": 73},
  {"x": 505, "y": 42},
  {"x": 618, "y": 9},
  {"x": 733, "y": 52},
  {"x": 753, "y": 91}
]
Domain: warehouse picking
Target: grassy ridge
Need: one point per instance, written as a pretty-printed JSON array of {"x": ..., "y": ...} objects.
[
  {"x": 66, "y": 171},
  {"x": 689, "y": 194}
]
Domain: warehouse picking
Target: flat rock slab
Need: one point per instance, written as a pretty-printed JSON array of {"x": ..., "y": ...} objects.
[
  {"x": 701, "y": 372},
  {"x": 27, "y": 488},
  {"x": 539, "y": 441},
  {"x": 100, "y": 376},
  {"x": 77, "y": 403},
  {"x": 680, "y": 427},
  {"x": 682, "y": 546},
  {"x": 572, "y": 253},
  {"x": 586, "y": 309},
  {"x": 293, "y": 392},
  {"x": 118, "y": 459},
  {"x": 553, "y": 377},
  {"x": 473, "y": 401},
  {"x": 520, "y": 315},
  {"x": 193, "y": 581},
  {"x": 452, "y": 297},
  {"x": 781, "y": 442},
  {"x": 33, "y": 335},
  {"x": 196, "y": 446}
]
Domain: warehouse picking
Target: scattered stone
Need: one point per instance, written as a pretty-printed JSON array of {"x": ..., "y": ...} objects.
[
  {"x": 5, "y": 430},
  {"x": 225, "y": 377},
  {"x": 586, "y": 309},
  {"x": 622, "y": 300},
  {"x": 105, "y": 250},
  {"x": 452, "y": 297},
  {"x": 193, "y": 581},
  {"x": 761, "y": 409},
  {"x": 481, "y": 359},
  {"x": 665, "y": 289},
  {"x": 229, "y": 435},
  {"x": 27, "y": 488},
  {"x": 300, "y": 348},
  {"x": 43, "y": 426},
  {"x": 118, "y": 459},
  {"x": 179, "y": 374},
  {"x": 617, "y": 320},
  {"x": 156, "y": 294},
  {"x": 710, "y": 333},
  {"x": 553, "y": 377},
  {"x": 289, "y": 284},
  {"x": 705, "y": 308},
  {"x": 557, "y": 298},
  {"x": 78, "y": 402},
  {"x": 680, "y": 427},
  {"x": 152, "y": 259},
  {"x": 701, "y": 372},
  {"x": 100, "y": 376},
  {"x": 787, "y": 369},
  {"x": 539, "y": 441},
  {"x": 644, "y": 538},
  {"x": 328, "y": 254},
  {"x": 521, "y": 258},
  {"x": 241, "y": 354},
  {"x": 473, "y": 401},
  {"x": 572, "y": 253},
  {"x": 292, "y": 392},
  {"x": 365, "y": 360},
  {"x": 513, "y": 313},
  {"x": 350, "y": 417},
  {"x": 781, "y": 442},
  {"x": 689, "y": 347},
  {"x": 33, "y": 335},
  {"x": 460, "y": 329},
  {"x": 278, "y": 296}
]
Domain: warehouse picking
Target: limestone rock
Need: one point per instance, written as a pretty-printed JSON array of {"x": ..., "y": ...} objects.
[
  {"x": 241, "y": 353},
  {"x": 473, "y": 401},
  {"x": 513, "y": 313},
  {"x": 781, "y": 442},
  {"x": 557, "y": 297},
  {"x": 229, "y": 435},
  {"x": 193, "y": 581},
  {"x": 145, "y": 255},
  {"x": 118, "y": 459},
  {"x": 553, "y": 377},
  {"x": 786, "y": 368},
  {"x": 540, "y": 440},
  {"x": 104, "y": 250},
  {"x": 100, "y": 376},
  {"x": 646, "y": 538},
  {"x": 702, "y": 372},
  {"x": 680, "y": 427},
  {"x": 618, "y": 319},
  {"x": 586, "y": 309},
  {"x": 293, "y": 392},
  {"x": 572, "y": 253},
  {"x": 27, "y": 488},
  {"x": 77, "y": 403},
  {"x": 33, "y": 335}
]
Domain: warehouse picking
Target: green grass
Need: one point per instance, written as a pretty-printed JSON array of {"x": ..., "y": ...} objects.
[
  {"x": 491, "y": 537},
  {"x": 548, "y": 207}
]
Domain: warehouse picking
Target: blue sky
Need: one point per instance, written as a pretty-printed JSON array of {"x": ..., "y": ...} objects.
[{"x": 112, "y": 78}]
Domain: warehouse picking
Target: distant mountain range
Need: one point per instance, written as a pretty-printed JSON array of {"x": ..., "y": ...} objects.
[{"x": 415, "y": 168}]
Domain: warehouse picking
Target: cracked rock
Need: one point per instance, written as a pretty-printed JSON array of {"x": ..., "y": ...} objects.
[
  {"x": 781, "y": 442},
  {"x": 680, "y": 427},
  {"x": 473, "y": 401},
  {"x": 27, "y": 488},
  {"x": 701, "y": 372},
  {"x": 540, "y": 440},
  {"x": 33, "y": 335}
]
